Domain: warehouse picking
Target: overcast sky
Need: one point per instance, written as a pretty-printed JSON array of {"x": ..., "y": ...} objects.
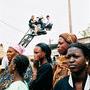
[{"x": 15, "y": 14}]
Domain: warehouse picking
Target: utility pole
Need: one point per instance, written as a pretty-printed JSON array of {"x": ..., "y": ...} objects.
[{"x": 69, "y": 16}]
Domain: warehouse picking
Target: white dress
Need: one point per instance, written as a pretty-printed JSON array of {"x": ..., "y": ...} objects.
[{"x": 18, "y": 85}]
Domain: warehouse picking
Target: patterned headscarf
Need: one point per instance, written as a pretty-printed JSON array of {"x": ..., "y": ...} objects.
[{"x": 68, "y": 37}]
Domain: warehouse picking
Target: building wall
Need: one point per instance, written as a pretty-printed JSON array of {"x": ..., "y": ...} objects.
[{"x": 84, "y": 40}]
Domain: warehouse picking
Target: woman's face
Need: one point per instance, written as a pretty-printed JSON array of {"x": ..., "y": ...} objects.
[
  {"x": 62, "y": 46},
  {"x": 11, "y": 53},
  {"x": 38, "y": 53},
  {"x": 77, "y": 60}
]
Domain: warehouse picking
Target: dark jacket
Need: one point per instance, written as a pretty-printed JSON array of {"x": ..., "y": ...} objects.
[
  {"x": 44, "y": 78},
  {"x": 63, "y": 84}
]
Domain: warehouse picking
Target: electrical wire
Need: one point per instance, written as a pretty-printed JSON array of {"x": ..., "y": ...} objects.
[{"x": 11, "y": 26}]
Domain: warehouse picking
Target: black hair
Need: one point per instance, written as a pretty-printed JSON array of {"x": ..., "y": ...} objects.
[
  {"x": 21, "y": 62},
  {"x": 44, "y": 47},
  {"x": 83, "y": 47},
  {"x": 47, "y": 16}
]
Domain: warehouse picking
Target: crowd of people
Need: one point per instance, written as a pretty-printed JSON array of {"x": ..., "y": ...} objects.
[{"x": 70, "y": 70}]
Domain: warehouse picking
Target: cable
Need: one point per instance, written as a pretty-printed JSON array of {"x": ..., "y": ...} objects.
[{"x": 11, "y": 26}]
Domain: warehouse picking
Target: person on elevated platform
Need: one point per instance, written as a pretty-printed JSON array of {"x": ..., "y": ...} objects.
[{"x": 48, "y": 24}]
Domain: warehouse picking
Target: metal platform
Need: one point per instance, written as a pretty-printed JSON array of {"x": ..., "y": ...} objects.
[{"x": 27, "y": 38}]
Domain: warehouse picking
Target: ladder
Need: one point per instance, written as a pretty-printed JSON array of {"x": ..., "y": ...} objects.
[{"x": 29, "y": 35}]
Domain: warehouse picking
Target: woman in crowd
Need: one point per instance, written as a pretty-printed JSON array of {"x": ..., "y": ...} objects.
[
  {"x": 61, "y": 68},
  {"x": 78, "y": 57},
  {"x": 5, "y": 77},
  {"x": 12, "y": 51},
  {"x": 42, "y": 71},
  {"x": 18, "y": 67}
]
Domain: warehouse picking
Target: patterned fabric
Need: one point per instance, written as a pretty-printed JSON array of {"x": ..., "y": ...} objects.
[
  {"x": 60, "y": 69},
  {"x": 28, "y": 75},
  {"x": 6, "y": 79},
  {"x": 68, "y": 37}
]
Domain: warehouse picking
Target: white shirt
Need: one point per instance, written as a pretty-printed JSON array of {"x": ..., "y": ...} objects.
[
  {"x": 87, "y": 84},
  {"x": 18, "y": 85},
  {"x": 4, "y": 62}
]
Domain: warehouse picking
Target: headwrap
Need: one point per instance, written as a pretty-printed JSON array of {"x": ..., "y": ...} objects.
[
  {"x": 68, "y": 37},
  {"x": 18, "y": 48}
]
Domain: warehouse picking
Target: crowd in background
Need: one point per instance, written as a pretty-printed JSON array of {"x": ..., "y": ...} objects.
[{"x": 69, "y": 71}]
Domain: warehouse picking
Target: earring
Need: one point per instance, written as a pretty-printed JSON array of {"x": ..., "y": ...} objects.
[
  {"x": 13, "y": 68},
  {"x": 86, "y": 62}
]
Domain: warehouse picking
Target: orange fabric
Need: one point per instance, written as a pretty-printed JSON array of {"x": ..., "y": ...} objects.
[
  {"x": 61, "y": 69},
  {"x": 70, "y": 38}
]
